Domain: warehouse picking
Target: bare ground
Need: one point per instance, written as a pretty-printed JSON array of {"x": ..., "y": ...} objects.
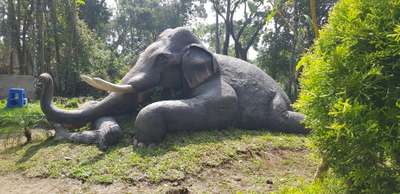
[
  {"x": 233, "y": 176},
  {"x": 259, "y": 170}
]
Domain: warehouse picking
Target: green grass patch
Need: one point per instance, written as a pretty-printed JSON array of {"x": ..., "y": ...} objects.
[
  {"x": 329, "y": 185},
  {"x": 177, "y": 157},
  {"x": 14, "y": 120}
]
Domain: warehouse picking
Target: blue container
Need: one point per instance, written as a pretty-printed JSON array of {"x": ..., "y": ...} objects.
[{"x": 16, "y": 98}]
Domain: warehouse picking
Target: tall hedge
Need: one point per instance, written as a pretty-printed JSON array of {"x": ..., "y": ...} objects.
[{"x": 350, "y": 93}]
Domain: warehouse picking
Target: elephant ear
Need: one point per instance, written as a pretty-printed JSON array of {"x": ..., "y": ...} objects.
[{"x": 198, "y": 64}]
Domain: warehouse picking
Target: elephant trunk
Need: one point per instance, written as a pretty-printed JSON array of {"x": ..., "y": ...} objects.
[{"x": 113, "y": 104}]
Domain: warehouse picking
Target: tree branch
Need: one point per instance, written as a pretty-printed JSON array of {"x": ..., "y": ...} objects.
[
  {"x": 254, "y": 36},
  {"x": 247, "y": 22},
  {"x": 217, "y": 11}
]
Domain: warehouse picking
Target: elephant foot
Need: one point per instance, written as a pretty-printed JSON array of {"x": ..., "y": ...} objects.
[
  {"x": 138, "y": 144},
  {"x": 294, "y": 123},
  {"x": 60, "y": 132},
  {"x": 85, "y": 137},
  {"x": 107, "y": 133}
]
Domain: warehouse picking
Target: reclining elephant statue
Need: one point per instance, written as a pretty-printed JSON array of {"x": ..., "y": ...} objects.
[{"x": 217, "y": 92}]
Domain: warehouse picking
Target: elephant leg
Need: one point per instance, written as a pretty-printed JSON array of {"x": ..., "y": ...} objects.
[
  {"x": 215, "y": 107},
  {"x": 294, "y": 122},
  {"x": 107, "y": 133},
  {"x": 287, "y": 121},
  {"x": 86, "y": 137}
]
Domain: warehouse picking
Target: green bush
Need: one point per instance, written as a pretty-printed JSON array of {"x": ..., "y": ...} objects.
[
  {"x": 350, "y": 93},
  {"x": 15, "y": 120}
]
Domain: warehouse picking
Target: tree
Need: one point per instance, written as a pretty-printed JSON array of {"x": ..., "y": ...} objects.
[
  {"x": 40, "y": 38},
  {"x": 217, "y": 33},
  {"x": 138, "y": 23},
  {"x": 47, "y": 36},
  {"x": 96, "y": 15},
  {"x": 244, "y": 31},
  {"x": 289, "y": 34}
]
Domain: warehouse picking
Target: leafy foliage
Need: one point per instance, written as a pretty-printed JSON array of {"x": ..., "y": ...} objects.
[
  {"x": 350, "y": 94},
  {"x": 290, "y": 34},
  {"x": 96, "y": 15},
  {"x": 138, "y": 23},
  {"x": 14, "y": 120},
  {"x": 48, "y": 36}
]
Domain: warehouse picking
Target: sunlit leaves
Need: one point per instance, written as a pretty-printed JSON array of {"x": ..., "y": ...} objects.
[
  {"x": 79, "y": 2},
  {"x": 396, "y": 34},
  {"x": 350, "y": 94}
]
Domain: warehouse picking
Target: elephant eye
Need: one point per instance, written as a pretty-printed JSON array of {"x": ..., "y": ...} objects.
[{"x": 162, "y": 58}]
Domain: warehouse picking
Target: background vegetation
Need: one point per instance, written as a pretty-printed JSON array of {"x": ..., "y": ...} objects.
[
  {"x": 68, "y": 38},
  {"x": 350, "y": 94}
]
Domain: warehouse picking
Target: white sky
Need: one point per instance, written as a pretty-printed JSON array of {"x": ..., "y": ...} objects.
[{"x": 111, "y": 4}]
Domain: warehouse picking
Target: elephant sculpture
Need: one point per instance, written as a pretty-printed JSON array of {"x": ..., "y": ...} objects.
[{"x": 216, "y": 92}]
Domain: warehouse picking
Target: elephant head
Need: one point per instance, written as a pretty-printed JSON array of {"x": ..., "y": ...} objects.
[{"x": 176, "y": 60}]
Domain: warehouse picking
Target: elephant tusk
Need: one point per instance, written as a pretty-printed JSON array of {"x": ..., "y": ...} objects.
[
  {"x": 91, "y": 82},
  {"x": 125, "y": 88},
  {"x": 107, "y": 86}
]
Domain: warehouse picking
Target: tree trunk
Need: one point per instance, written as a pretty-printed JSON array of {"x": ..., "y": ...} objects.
[
  {"x": 40, "y": 38},
  {"x": 227, "y": 28},
  {"x": 12, "y": 34},
  {"x": 313, "y": 11},
  {"x": 54, "y": 24},
  {"x": 292, "y": 70},
  {"x": 23, "y": 58},
  {"x": 19, "y": 50},
  {"x": 240, "y": 52},
  {"x": 72, "y": 49},
  {"x": 217, "y": 38},
  {"x": 243, "y": 54}
]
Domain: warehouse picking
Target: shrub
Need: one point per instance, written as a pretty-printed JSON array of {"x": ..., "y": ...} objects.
[
  {"x": 27, "y": 116},
  {"x": 350, "y": 93},
  {"x": 17, "y": 120}
]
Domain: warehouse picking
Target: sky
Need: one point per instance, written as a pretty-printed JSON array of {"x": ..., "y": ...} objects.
[{"x": 111, "y": 4}]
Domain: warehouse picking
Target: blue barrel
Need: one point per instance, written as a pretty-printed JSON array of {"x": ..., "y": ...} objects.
[{"x": 16, "y": 98}]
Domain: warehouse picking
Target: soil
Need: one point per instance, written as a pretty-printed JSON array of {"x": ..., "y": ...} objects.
[
  {"x": 254, "y": 171},
  {"x": 233, "y": 176}
]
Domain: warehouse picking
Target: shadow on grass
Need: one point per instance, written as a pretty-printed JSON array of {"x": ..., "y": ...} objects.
[
  {"x": 34, "y": 147},
  {"x": 171, "y": 143},
  {"x": 32, "y": 150},
  {"x": 94, "y": 159},
  {"x": 175, "y": 140}
]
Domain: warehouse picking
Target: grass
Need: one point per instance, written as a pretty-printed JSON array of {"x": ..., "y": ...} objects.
[
  {"x": 175, "y": 158},
  {"x": 13, "y": 120},
  {"x": 261, "y": 160},
  {"x": 329, "y": 185}
]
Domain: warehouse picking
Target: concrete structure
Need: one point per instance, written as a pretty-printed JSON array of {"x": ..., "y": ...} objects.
[{"x": 17, "y": 81}]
